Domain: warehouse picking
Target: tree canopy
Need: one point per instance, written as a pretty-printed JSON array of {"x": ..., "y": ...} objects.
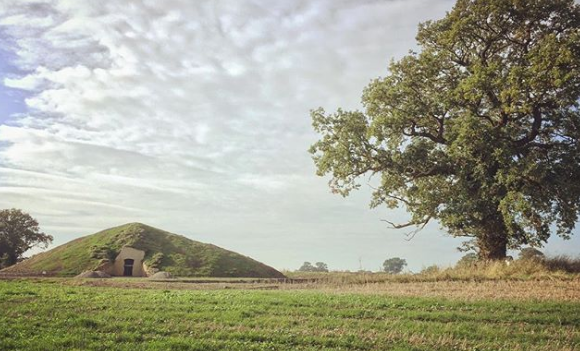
[
  {"x": 318, "y": 267},
  {"x": 19, "y": 232},
  {"x": 530, "y": 253},
  {"x": 479, "y": 130},
  {"x": 394, "y": 265}
]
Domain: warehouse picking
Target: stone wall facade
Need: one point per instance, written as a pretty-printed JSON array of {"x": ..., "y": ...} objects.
[{"x": 118, "y": 267}]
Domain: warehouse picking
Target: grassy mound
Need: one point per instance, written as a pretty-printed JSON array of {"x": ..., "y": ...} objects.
[{"x": 164, "y": 251}]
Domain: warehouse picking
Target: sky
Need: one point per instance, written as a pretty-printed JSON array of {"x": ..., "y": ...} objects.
[{"x": 193, "y": 117}]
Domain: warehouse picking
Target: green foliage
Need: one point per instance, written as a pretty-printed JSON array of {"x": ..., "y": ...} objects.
[
  {"x": 47, "y": 315},
  {"x": 103, "y": 253},
  {"x": 321, "y": 267},
  {"x": 306, "y": 267},
  {"x": 156, "y": 260},
  {"x": 318, "y": 267},
  {"x": 19, "y": 232},
  {"x": 394, "y": 265},
  {"x": 164, "y": 251},
  {"x": 480, "y": 130}
]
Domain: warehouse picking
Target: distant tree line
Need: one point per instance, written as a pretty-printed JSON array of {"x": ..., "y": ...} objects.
[
  {"x": 394, "y": 265},
  {"x": 317, "y": 267}
]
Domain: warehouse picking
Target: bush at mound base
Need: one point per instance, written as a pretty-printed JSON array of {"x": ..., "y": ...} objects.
[
  {"x": 161, "y": 275},
  {"x": 93, "y": 274}
]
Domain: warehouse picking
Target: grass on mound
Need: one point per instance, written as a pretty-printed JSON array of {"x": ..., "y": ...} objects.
[
  {"x": 163, "y": 251},
  {"x": 47, "y": 315}
]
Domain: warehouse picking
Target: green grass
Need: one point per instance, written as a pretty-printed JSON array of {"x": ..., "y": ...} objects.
[
  {"x": 163, "y": 251},
  {"x": 50, "y": 315}
]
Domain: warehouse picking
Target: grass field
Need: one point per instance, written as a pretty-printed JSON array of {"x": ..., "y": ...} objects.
[{"x": 55, "y": 314}]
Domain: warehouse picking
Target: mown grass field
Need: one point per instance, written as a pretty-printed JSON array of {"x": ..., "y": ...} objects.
[{"x": 63, "y": 314}]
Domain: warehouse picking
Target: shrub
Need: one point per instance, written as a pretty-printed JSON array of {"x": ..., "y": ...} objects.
[
  {"x": 530, "y": 253},
  {"x": 155, "y": 261},
  {"x": 434, "y": 269},
  {"x": 468, "y": 260},
  {"x": 563, "y": 263},
  {"x": 103, "y": 253}
]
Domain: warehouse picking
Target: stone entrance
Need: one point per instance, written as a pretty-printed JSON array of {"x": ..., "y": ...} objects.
[
  {"x": 129, "y": 263},
  {"x": 128, "y": 267}
]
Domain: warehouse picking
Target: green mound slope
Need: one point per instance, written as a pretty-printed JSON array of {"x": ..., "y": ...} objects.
[{"x": 164, "y": 251}]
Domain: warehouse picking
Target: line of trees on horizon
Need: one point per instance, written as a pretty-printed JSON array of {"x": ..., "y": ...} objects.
[{"x": 394, "y": 265}]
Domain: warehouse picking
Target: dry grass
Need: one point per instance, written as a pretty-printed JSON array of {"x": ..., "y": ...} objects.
[
  {"x": 540, "y": 290},
  {"x": 557, "y": 268},
  {"x": 48, "y": 314},
  {"x": 521, "y": 280},
  {"x": 555, "y": 278},
  {"x": 544, "y": 290}
]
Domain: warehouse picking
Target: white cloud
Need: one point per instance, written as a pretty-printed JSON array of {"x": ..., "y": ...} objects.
[{"x": 194, "y": 116}]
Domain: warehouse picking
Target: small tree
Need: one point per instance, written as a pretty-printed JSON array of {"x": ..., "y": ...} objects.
[
  {"x": 318, "y": 267},
  {"x": 306, "y": 267},
  {"x": 394, "y": 265},
  {"x": 530, "y": 253},
  {"x": 321, "y": 267},
  {"x": 19, "y": 232}
]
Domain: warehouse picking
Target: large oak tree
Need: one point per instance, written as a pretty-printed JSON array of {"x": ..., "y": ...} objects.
[{"x": 479, "y": 130}]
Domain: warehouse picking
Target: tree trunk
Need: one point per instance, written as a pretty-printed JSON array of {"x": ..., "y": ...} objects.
[
  {"x": 492, "y": 243},
  {"x": 12, "y": 259},
  {"x": 7, "y": 260}
]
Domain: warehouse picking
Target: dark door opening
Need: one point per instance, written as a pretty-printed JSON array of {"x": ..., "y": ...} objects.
[{"x": 128, "y": 267}]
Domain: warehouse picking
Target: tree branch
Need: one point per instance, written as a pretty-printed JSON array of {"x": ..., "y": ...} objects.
[
  {"x": 414, "y": 132},
  {"x": 410, "y": 235},
  {"x": 422, "y": 223},
  {"x": 536, "y": 125}
]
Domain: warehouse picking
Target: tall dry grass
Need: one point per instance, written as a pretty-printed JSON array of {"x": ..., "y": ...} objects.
[{"x": 560, "y": 268}]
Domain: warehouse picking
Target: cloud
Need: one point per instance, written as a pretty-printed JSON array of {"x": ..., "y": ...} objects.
[{"x": 194, "y": 115}]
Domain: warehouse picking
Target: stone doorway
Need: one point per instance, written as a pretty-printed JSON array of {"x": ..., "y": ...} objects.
[
  {"x": 128, "y": 263},
  {"x": 128, "y": 267}
]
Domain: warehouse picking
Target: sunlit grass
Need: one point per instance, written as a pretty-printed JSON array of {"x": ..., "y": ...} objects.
[{"x": 51, "y": 315}]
